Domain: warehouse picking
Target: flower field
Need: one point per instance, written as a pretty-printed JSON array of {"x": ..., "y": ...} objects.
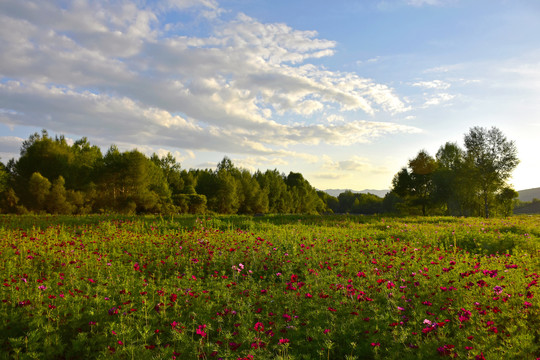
[{"x": 337, "y": 287}]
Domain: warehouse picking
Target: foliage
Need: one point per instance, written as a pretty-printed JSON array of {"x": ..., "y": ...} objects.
[
  {"x": 470, "y": 182},
  {"x": 52, "y": 176},
  {"x": 269, "y": 287}
]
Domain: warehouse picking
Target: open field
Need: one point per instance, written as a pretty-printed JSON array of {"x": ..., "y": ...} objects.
[{"x": 283, "y": 287}]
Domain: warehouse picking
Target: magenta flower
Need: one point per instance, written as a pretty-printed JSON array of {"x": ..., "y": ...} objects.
[{"x": 200, "y": 330}]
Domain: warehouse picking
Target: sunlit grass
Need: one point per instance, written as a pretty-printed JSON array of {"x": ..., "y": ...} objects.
[{"x": 338, "y": 287}]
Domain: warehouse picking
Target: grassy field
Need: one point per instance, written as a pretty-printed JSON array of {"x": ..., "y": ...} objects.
[{"x": 269, "y": 287}]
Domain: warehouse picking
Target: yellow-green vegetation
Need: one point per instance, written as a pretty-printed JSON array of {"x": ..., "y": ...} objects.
[{"x": 269, "y": 287}]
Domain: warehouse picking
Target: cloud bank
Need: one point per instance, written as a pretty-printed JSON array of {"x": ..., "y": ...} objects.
[{"x": 117, "y": 71}]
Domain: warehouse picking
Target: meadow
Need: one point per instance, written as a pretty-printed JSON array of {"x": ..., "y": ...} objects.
[{"x": 269, "y": 287}]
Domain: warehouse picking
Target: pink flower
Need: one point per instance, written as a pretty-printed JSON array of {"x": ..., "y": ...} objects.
[
  {"x": 200, "y": 330},
  {"x": 259, "y": 326},
  {"x": 284, "y": 341}
]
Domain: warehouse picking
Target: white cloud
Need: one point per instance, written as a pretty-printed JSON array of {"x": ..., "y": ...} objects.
[
  {"x": 10, "y": 146},
  {"x": 438, "y": 99},
  {"x": 334, "y": 118},
  {"x": 353, "y": 164},
  {"x": 434, "y": 84},
  {"x": 113, "y": 71}
]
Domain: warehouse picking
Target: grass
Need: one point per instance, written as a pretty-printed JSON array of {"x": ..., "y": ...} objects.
[{"x": 269, "y": 287}]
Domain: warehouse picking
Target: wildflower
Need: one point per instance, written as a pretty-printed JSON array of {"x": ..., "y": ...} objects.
[
  {"x": 446, "y": 350},
  {"x": 259, "y": 327},
  {"x": 284, "y": 341},
  {"x": 200, "y": 330},
  {"x": 464, "y": 315}
]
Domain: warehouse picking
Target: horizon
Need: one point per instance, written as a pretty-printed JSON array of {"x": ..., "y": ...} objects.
[{"x": 344, "y": 93}]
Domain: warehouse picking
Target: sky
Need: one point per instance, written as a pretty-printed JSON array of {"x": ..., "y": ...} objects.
[{"x": 344, "y": 92}]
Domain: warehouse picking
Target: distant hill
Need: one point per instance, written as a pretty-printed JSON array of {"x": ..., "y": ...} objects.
[
  {"x": 530, "y": 208},
  {"x": 529, "y": 194},
  {"x": 336, "y": 192}
]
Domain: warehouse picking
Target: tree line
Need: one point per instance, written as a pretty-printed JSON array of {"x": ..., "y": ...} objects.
[
  {"x": 470, "y": 181},
  {"x": 52, "y": 176}
]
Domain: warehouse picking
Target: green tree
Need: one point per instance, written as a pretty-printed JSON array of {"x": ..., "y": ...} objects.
[
  {"x": 39, "y": 188},
  {"x": 226, "y": 199},
  {"x": 273, "y": 185},
  {"x": 492, "y": 158},
  {"x": 304, "y": 198},
  {"x": 253, "y": 199},
  {"x": 171, "y": 171},
  {"x": 331, "y": 203},
  {"x": 131, "y": 182},
  {"x": 450, "y": 179},
  {"x": 415, "y": 184},
  {"x": 56, "y": 198},
  {"x": 82, "y": 172},
  {"x": 505, "y": 200}
]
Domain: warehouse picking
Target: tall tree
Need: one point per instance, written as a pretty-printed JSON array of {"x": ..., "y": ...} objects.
[
  {"x": 253, "y": 199},
  {"x": 171, "y": 171},
  {"x": 131, "y": 182},
  {"x": 492, "y": 159},
  {"x": 39, "y": 188},
  {"x": 304, "y": 196},
  {"x": 57, "y": 202},
  {"x": 273, "y": 184},
  {"x": 450, "y": 179},
  {"x": 415, "y": 184}
]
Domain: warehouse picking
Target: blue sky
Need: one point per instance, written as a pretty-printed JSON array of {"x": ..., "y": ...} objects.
[{"x": 344, "y": 92}]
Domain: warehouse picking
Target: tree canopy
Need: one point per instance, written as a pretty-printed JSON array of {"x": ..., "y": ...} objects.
[
  {"x": 469, "y": 181},
  {"x": 51, "y": 175}
]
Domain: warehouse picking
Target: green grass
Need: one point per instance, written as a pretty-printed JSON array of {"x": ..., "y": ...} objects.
[{"x": 269, "y": 287}]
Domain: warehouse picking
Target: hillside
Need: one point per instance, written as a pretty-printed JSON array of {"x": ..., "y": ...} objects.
[
  {"x": 531, "y": 208},
  {"x": 529, "y": 194}
]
